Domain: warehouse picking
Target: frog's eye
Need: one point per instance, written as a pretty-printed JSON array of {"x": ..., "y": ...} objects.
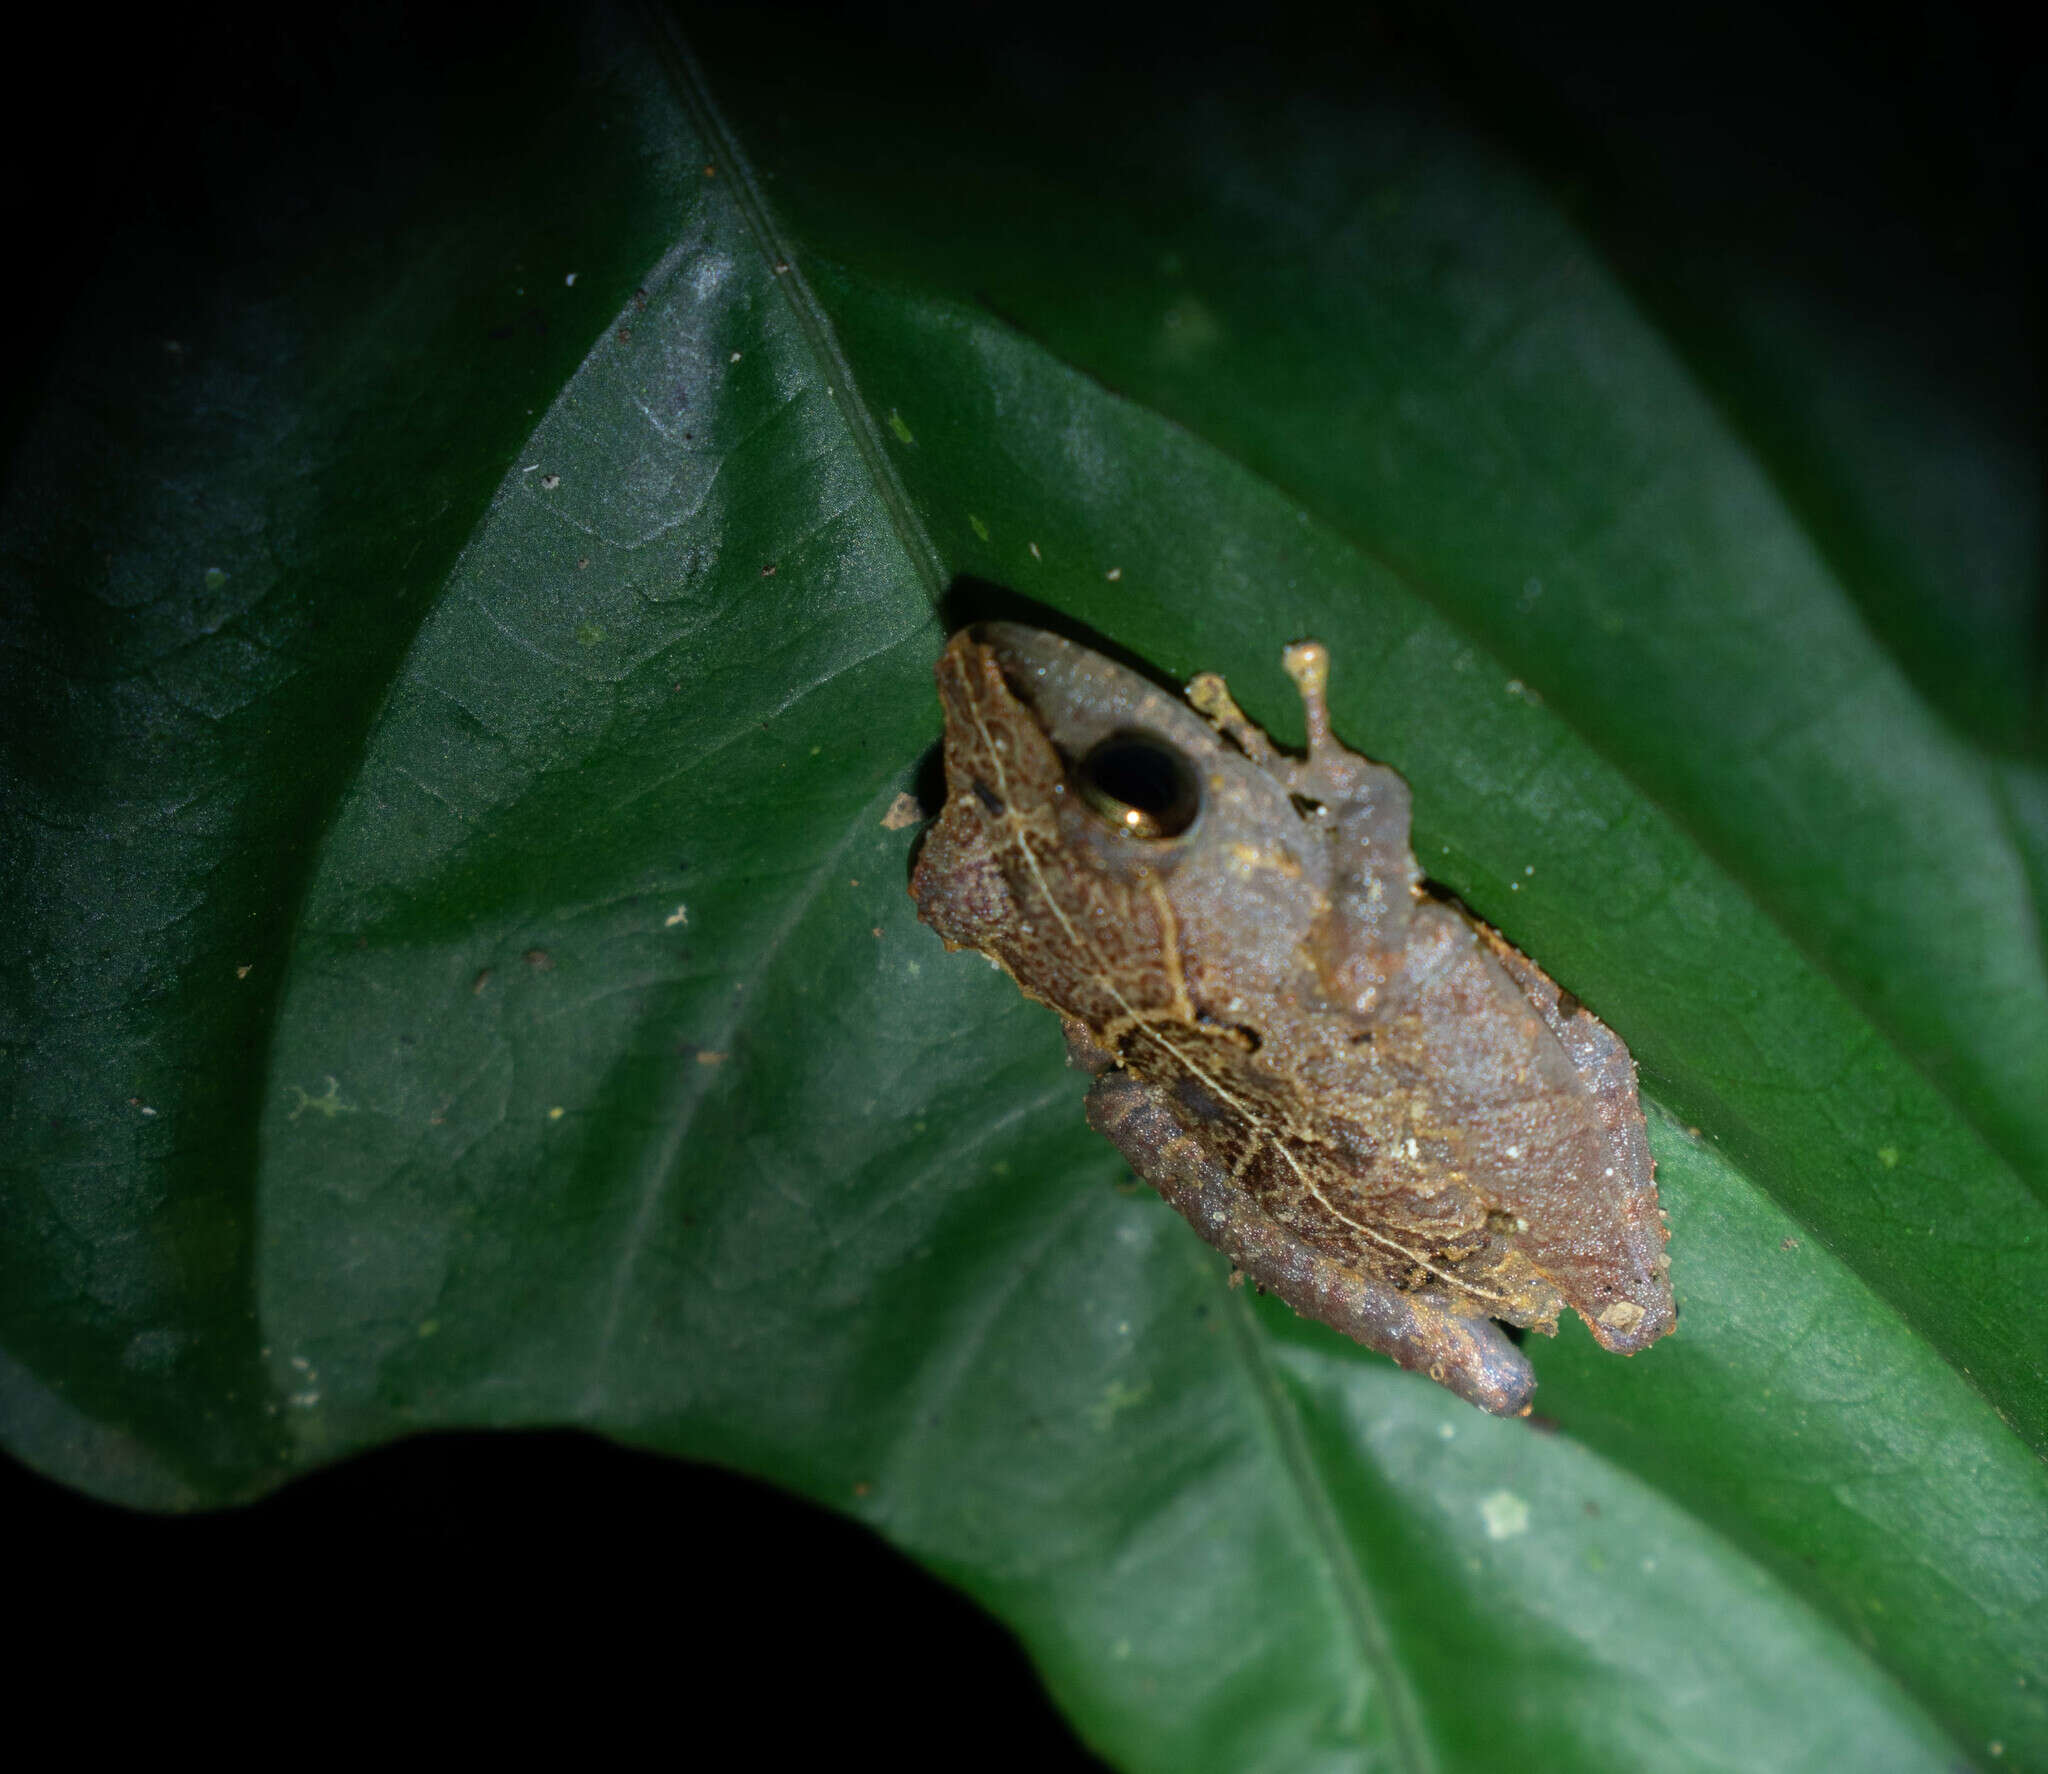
[{"x": 1141, "y": 785}]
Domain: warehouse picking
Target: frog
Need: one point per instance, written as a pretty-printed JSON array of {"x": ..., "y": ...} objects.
[{"x": 1375, "y": 1106}]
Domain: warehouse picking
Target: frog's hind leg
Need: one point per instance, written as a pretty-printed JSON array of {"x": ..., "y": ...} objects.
[
  {"x": 1621, "y": 1281},
  {"x": 1469, "y": 1355}
]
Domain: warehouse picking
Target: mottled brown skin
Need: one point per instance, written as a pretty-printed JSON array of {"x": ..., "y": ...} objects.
[{"x": 1376, "y": 1107}]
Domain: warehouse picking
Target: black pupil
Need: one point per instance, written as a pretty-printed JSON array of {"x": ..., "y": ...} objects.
[{"x": 1131, "y": 770}]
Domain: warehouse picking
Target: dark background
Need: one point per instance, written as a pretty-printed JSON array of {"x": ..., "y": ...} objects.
[{"x": 525, "y": 1580}]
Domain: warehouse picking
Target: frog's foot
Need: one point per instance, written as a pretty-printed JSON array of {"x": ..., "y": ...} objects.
[{"x": 1210, "y": 698}]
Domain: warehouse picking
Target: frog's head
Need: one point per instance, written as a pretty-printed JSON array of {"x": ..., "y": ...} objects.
[
  {"x": 1098, "y": 768},
  {"x": 1094, "y": 820}
]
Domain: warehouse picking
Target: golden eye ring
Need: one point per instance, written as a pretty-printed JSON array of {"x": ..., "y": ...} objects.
[{"x": 1141, "y": 785}]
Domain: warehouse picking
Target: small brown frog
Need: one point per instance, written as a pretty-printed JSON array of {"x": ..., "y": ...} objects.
[{"x": 1372, "y": 1103}]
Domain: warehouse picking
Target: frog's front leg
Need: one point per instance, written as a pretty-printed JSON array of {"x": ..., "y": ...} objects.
[{"x": 1470, "y": 1355}]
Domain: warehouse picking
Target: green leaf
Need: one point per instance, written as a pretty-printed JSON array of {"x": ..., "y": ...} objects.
[{"x": 460, "y": 972}]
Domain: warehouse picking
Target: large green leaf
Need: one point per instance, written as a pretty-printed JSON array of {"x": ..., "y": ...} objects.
[{"x": 464, "y": 649}]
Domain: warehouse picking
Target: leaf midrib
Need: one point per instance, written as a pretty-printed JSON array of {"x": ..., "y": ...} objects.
[
  {"x": 1338, "y": 1557},
  {"x": 685, "y": 77}
]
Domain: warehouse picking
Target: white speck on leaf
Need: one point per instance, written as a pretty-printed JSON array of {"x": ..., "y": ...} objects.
[{"x": 1505, "y": 1515}]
